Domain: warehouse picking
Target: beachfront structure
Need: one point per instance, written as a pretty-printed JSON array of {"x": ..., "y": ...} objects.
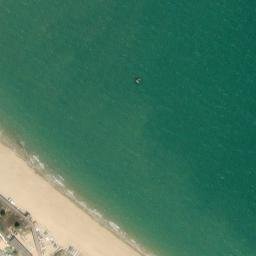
[
  {"x": 19, "y": 247},
  {"x": 70, "y": 251},
  {"x": 13, "y": 221},
  {"x": 16, "y": 223}
]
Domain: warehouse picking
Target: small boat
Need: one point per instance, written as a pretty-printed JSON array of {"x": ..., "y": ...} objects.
[{"x": 138, "y": 80}]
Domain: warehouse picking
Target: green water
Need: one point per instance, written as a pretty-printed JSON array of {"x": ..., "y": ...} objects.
[{"x": 172, "y": 161}]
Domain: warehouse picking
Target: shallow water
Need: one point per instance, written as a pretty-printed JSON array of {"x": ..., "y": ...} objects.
[{"x": 172, "y": 161}]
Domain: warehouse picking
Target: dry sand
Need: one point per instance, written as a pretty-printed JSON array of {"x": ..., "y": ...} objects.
[{"x": 66, "y": 222}]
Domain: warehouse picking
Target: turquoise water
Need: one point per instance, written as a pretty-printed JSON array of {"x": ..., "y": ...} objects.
[{"x": 172, "y": 161}]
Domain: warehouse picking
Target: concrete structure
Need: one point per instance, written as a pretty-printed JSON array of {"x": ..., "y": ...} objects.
[
  {"x": 22, "y": 234},
  {"x": 36, "y": 241},
  {"x": 15, "y": 218},
  {"x": 70, "y": 251},
  {"x": 7, "y": 204},
  {"x": 18, "y": 246}
]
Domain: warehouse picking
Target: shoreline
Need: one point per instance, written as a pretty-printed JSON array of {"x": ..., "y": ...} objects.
[{"x": 56, "y": 182}]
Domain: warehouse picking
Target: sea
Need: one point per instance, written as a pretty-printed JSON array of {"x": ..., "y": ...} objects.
[{"x": 146, "y": 110}]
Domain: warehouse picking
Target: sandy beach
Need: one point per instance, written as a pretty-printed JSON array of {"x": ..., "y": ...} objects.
[{"x": 69, "y": 224}]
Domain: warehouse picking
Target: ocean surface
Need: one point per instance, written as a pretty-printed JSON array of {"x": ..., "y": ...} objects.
[{"x": 172, "y": 160}]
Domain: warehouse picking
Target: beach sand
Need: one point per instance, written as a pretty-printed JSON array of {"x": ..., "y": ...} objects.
[{"x": 69, "y": 224}]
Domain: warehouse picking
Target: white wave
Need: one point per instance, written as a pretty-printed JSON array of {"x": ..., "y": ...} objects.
[
  {"x": 58, "y": 181},
  {"x": 83, "y": 204},
  {"x": 96, "y": 213},
  {"x": 60, "y": 178},
  {"x": 36, "y": 163},
  {"x": 114, "y": 226},
  {"x": 70, "y": 193}
]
